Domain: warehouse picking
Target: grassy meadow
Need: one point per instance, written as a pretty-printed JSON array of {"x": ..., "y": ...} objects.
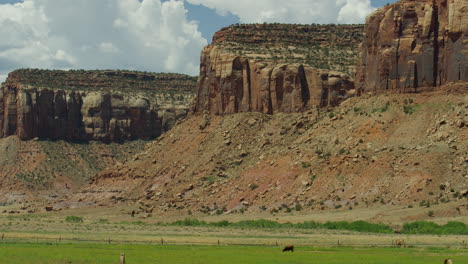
[{"x": 102, "y": 254}]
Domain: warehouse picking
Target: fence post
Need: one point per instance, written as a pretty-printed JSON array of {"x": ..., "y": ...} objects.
[
  {"x": 162, "y": 241},
  {"x": 218, "y": 242},
  {"x": 122, "y": 258},
  {"x": 276, "y": 243},
  {"x": 3, "y": 236},
  {"x": 109, "y": 241}
]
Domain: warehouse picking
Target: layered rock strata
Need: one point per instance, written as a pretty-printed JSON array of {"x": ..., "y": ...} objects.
[
  {"x": 277, "y": 68},
  {"x": 91, "y": 109},
  {"x": 413, "y": 44}
]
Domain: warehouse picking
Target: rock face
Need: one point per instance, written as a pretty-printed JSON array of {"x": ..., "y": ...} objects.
[
  {"x": 413, "y": 44},
  {"x": 276, "y": 68},
  {"x": 76, "y": 112}
]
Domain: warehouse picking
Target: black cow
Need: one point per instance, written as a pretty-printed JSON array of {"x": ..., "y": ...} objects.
[{"x": 288, "y": 248}]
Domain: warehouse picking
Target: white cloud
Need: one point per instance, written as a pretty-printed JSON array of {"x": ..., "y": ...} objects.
[
  {"x": 354, "y": 11},
  {"x": 127, "y": 34},
  {"x": 2, "y": 78},
  {"x": 293, "y": 11}
]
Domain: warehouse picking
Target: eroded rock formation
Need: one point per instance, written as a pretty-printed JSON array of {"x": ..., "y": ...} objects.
[
  {"x": 71, "y": 110},
  {"x": 413, "y": 44},
  {"x": 276, "y": 68}
]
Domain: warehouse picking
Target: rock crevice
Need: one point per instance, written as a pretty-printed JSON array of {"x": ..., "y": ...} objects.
[
  {"x": 29, "y": 111},
  {"x": 412, "y": 44},
  {"x": 273, "y": 71}
]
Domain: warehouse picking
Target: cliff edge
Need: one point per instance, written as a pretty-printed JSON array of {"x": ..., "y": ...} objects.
[
  {"x": 108, "y": 106},
  {"x": 273, "y": 68},
  {"x": 413, "y": 44}
]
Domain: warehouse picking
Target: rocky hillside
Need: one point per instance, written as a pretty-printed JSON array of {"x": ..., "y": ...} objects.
[
  {"x": 109, "y": 106},
  {"x": 387, "y": 151},
  {"x": 414, "y": 44},
  {"x": 273, "y": 68},
  {"x": 46, "y": 170}
]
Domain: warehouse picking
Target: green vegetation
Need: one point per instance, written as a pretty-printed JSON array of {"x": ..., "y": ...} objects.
[
  {"x": 358, "y": 226},
  {"x": 32, "y": 177},
  {"x": 74, "y": 219},
  {"x": 161, "y": 254},
  {"x": 409, "y": 109},
  {"x": 333, "y": 47},
  {"x": 452, "y": 228},
  {"x": 105, "y": 80},
  {"x": 253, "y": 186},
  {"x": 382, "y": 109},
  {"x": 424, "y": 227}
]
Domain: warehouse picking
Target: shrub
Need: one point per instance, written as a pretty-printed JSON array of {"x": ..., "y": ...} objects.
[
  {"x": 409, "y": 109},
  {"x": 189, "y": 222},
  {"x": 383, "y": 109},
  {"x": 424, "y": 227},
  {"x": 298, "y": 207},
  {"x": 74, "y": 219},
  {"x": 253, "y": 186},
  {"x": 306, "y": 165}
]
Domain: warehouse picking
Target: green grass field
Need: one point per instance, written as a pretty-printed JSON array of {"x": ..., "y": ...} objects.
[{"x": 102, "y": 254}]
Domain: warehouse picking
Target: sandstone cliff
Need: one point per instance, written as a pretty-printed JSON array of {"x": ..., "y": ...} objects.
[
  {"x": 277, "y": 68},
  {"x": 413, "y": 44},
  {"x": 109, "y": 106}
]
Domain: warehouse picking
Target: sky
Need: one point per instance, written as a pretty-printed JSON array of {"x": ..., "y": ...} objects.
[{"x": 147, "y": 35}]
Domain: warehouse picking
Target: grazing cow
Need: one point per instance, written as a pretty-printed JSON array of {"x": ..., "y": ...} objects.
[
  {"x": 288, "y": 248},
  {"x": 400, "y": 243},
  {"x": 448, "y": 261}
]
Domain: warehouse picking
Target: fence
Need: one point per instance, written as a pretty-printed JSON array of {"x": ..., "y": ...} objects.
[{"x": 5, "y": 239}]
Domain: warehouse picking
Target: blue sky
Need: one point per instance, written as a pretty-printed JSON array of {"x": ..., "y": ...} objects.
[{"x": 148, "y": 35}]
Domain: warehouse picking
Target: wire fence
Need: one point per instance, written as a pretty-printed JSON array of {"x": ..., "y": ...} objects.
[{"x": 5, "y": 239}]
